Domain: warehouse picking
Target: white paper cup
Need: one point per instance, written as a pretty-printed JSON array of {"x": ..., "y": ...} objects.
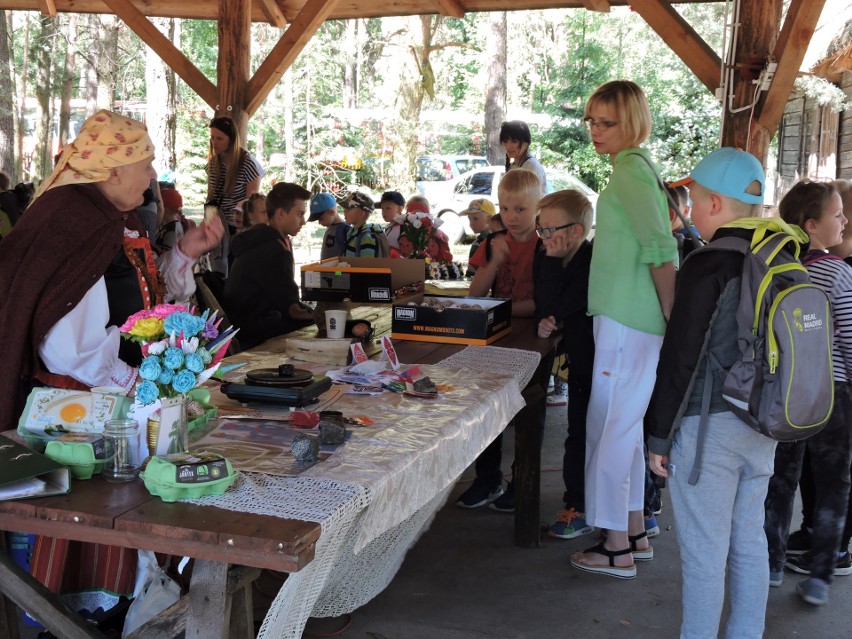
[{"x": 335, "y": 323}]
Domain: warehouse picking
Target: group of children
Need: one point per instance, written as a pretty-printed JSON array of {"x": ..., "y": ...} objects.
[{"x": 638, "y": 348}]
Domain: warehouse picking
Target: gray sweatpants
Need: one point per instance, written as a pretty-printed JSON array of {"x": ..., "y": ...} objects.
[{"x": 719, "y": 524}]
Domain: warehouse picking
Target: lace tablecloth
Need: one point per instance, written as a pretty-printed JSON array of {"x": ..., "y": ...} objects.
[{"x": 378, "y": 493}]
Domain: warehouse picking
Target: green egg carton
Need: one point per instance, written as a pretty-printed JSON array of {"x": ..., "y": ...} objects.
[
  {"x": 82, "y": 454},
  {"x": 185, "y": 475}
]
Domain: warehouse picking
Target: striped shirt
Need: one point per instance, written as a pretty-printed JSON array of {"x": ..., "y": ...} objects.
[
  {"x": 834, "y": 276},
  {"x": 249, "y": 171}
]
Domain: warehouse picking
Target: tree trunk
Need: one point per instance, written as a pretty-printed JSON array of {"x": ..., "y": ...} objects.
[
  {"x": 350, "y": 77},
  {"x": 91, "y": 65},
  {"x": 107, "y": 63},
  {"x": 495, "y": 88},
  {"x": 161, "y": 117},
  {"x": 43, "y": 53},
  {"x": 415, "y": 80},
  {"x": 68, "y": 80},
  {"x": 7, "y": 104},
  {"x": 289, "y": 135},
  {"x": 25, "y": 162}
]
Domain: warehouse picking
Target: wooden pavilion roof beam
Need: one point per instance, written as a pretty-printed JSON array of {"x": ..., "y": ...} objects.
[
  {"x": 47, "y": 7},
  {"x": 796, "y": 34},
  {"x": 273, "y": 13},
  {"x": 683, "y": 40},
  {"x": 163, "y": 47},
  {"x": 450, "y": 8},
  {"x": 597, "y": 5},
  {"x": 285, "y": 52},
  {"x": 344, "y": 9}
]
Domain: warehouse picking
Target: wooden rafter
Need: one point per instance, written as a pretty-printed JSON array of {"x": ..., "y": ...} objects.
[
  {"x": 170, "y": 54},
  {"x": 47, "y": 7},
  {"x": 273, "y": 13},
  {"x": 283, "y": 54},
  {"x": 597, "y": 5},
  {"x": 450, "y": 8},
  {"x": 683, "y": 40},
  {"x": 798, "y": 29}
]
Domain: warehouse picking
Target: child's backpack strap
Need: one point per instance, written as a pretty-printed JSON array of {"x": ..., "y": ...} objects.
[{"x": 672, "y": 203}]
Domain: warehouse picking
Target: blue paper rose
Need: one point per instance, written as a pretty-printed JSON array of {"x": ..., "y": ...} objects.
[
  {"x": 194, "y": 362},
  {"x": 166, "y": 376},
  {"x": 150, "y": 368},
  {"x": 147, "y": 392},
  {"x": 173, "y": 358},
  {"x": 190, "y": 325},
  {"x": 184, "y": 381}
]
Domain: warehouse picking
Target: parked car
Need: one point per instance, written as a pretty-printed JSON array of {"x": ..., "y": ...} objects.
[
  {"x": 482, "y": 182},
  {"x": 435, "y": 172}
]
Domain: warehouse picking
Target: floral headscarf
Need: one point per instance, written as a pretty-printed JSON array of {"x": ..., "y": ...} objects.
[{"x": 106, "y": 140}]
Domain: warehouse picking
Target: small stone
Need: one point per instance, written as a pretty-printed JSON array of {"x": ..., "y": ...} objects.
[
  {"x": 305, "y": 447},
  {"x": 425, "y": 385}
]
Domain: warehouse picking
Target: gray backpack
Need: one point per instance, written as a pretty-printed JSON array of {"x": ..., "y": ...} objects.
[{"x": 781, "y": 384}]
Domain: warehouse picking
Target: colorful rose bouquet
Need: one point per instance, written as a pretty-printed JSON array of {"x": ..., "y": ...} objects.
[
  {"x": 180, "y": 350},
  {"x": 420, "y": 238}
]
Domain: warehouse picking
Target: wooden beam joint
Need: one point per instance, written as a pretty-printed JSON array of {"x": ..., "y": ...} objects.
[
  {"x": 273, "y": 13},
  {"x": 602, "y": 6},
  {"x": 450, "y": 8}
]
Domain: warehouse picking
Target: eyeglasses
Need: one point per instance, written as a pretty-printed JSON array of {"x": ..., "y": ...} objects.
[
  {"x": 599, "y": 125},
  {"x": 546, "y": 232}
]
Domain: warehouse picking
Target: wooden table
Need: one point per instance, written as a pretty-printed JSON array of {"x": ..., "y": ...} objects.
[
  {"x": 127, "y": 515},
  {"x": 528, "y": 423}
]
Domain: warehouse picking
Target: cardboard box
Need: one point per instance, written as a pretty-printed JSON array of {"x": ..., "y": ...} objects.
[
  {"x": 453, "y": 325},
  {"x": 365, "y": 279}
]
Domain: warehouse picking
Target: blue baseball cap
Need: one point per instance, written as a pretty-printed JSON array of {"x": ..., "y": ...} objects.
[
  {"x": 729, "y": 172},
  {"x": 321, "y": 203}
]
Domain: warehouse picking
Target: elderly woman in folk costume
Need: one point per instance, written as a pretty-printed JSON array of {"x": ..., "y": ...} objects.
[{"x": 74, "y": 268}]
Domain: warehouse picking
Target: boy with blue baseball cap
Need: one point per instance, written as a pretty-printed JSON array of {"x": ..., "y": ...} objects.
[
  {"x": 720, "y": 516},
  {"x": 324, "y": 211}
]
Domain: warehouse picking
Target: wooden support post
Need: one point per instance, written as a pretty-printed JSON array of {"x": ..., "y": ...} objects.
[
  {"x": 209, "y": 604},
  {"x": 232, "y": 68},
  {"x": 43, "y": 605},
  {"x": 9, "y": 613},
  {"x": 529, "y": 426},
  {"x": 759, "y": 22}
]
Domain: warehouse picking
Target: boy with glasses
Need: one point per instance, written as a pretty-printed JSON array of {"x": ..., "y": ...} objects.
[{"x": 561, "y": 302}]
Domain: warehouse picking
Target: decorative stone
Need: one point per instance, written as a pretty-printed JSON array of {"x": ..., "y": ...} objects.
[
  {"x": 331, "y": 428},
  {"x": 425, "y": 385},
  {"x": 305, "y": 447}
]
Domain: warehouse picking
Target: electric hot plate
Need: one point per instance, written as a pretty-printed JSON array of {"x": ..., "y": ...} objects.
[{"x": 283, "y": 385}]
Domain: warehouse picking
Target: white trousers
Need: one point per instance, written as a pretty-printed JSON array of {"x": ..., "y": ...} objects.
[{"x": 623, "y": 378}]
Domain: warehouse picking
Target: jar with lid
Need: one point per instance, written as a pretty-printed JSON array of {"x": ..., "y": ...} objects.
[{"x": 122, "y": 450}]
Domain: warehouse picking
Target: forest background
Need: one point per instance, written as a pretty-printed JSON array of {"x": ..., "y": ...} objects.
[{"x": 365, "y": 97}]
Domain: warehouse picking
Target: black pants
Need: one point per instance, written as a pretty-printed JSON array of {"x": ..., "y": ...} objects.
[
  {"x": 574, "y": 459},
  {"x": 830, "y": 452}
]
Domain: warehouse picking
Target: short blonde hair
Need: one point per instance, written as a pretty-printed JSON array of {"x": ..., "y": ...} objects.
[
  {"x": 520, "y": 182},
  {"x": 574, "y": 204},
  {"x": 630, "y": 105}
]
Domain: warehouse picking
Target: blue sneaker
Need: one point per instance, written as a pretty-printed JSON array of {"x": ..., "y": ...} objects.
[
  {"x": 651, "y": 527},
  {"x": 569, "y": 525},
  {"x": 505, "y": 503},
  {"x": 814, "y": 591},
  {"x": 479, "y": 494}
]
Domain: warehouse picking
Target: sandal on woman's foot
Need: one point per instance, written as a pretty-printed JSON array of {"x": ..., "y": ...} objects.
[
  {"x": 621, "y": 572},
  {"x": 646, "y": 554}
]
